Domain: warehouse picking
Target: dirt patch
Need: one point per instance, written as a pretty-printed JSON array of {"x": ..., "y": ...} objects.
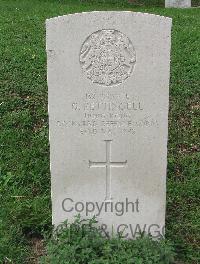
[{"x": 38, "y": 249}]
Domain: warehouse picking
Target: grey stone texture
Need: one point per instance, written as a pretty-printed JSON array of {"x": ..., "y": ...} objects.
[
  {"x": 108, "y": 92},
  {"x": 178, "y": 3}
]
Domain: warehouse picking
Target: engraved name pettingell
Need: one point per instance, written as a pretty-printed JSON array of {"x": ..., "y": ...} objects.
[
  {"x": 107, "y": 57},
  {"x": 107, "y": 106}
]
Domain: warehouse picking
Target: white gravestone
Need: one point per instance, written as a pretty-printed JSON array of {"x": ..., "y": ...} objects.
[
  {"x": 178, "y": 3},
  {"x": 108, "y": 87}
]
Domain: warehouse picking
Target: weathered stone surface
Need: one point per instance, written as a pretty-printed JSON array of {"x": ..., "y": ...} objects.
[
  {"x": 108, "y": 78},
  {"x": 178, "y": 3}
]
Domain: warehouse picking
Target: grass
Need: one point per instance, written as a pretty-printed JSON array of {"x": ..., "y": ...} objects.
[
  {"x": 82, "y": 242},
  {"x": 25, "y": 208}
]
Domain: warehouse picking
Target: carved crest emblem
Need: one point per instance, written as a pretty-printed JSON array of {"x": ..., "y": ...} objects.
[{"x": 107, "y": 57}]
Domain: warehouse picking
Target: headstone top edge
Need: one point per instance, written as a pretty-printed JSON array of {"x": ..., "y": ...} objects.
[{"x": 56, "y": 19}]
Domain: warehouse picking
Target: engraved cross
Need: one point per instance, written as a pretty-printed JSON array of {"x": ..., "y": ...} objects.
[{"x": 108, "y": 164}]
